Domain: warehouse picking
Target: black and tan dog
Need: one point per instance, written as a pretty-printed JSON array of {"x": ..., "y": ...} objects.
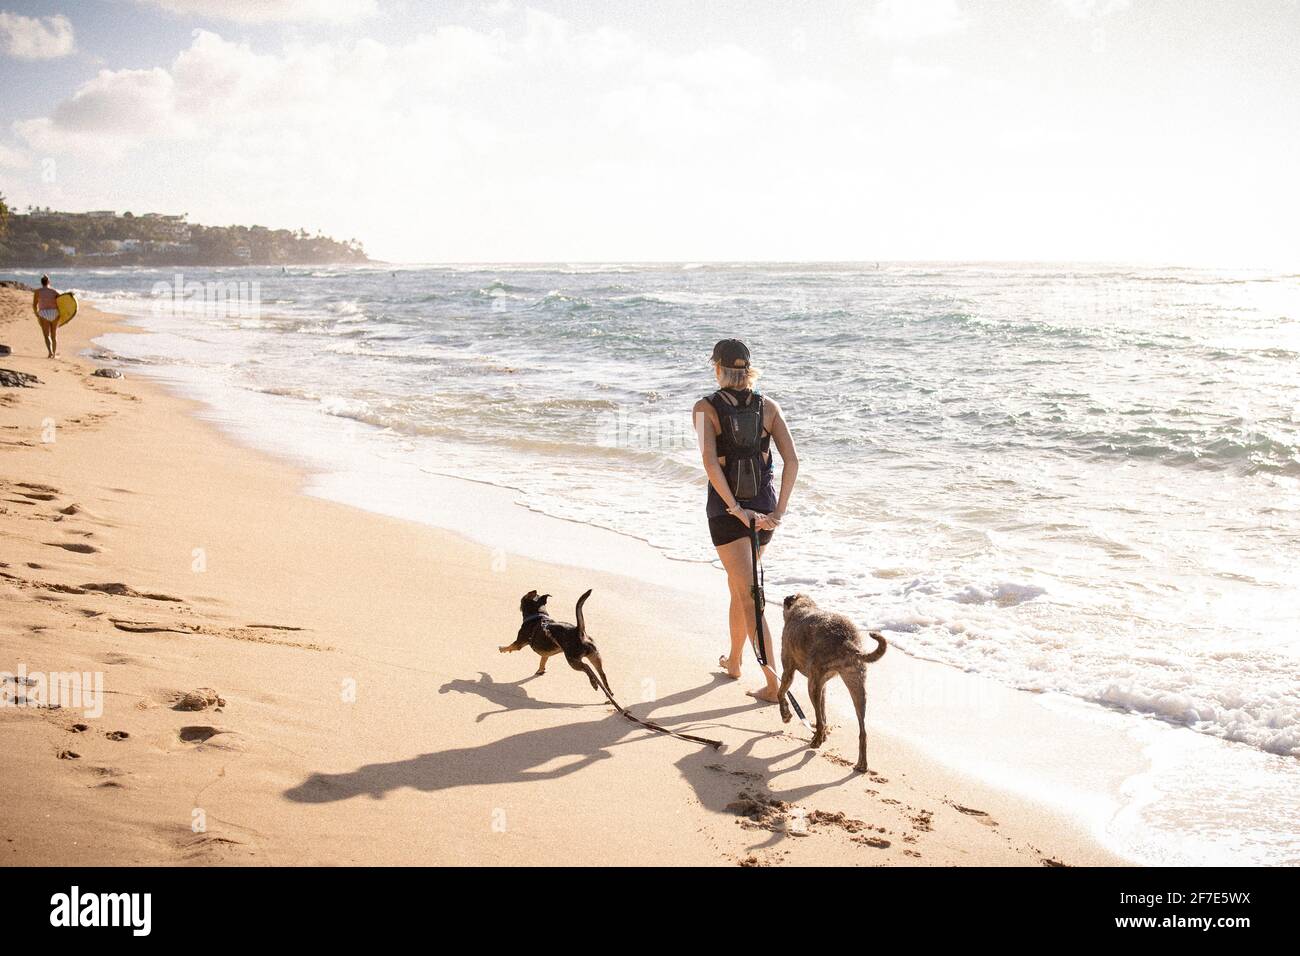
[
  {"x": 549, "y": 637},
  {"x": 819, "y": 645}
]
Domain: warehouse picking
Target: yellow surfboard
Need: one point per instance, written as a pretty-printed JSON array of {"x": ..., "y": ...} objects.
[{"x": 67, "y": 303}]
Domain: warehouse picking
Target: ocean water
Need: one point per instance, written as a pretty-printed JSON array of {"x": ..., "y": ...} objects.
[{"x": 1072, "y": 478}]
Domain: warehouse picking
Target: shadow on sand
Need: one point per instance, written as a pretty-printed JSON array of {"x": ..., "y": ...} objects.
[{"x": 716, "y": 778}]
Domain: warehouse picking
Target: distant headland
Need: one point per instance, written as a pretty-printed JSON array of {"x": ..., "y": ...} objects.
[{"x": 45, "y": 238}]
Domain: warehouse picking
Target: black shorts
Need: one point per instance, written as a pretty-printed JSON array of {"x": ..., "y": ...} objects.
[{"x": 727, "y": 528}]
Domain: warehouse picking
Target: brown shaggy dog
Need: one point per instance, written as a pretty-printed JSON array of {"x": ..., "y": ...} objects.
[{"x": 819, "y": 645}]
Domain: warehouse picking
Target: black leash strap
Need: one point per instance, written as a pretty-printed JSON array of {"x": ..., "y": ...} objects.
[
  {"x": 760, "y": 601},
  {"x": 649, "y": 724},
  {"x": 715, "y": 744}
]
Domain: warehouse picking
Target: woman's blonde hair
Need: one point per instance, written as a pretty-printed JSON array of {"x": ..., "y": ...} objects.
[{"x": 746, "y": 377}]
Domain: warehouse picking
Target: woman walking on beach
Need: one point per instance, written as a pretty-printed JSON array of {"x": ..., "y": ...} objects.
[
  {"x": 736, "y": 426},
  {"x": 45, "y": 303}
]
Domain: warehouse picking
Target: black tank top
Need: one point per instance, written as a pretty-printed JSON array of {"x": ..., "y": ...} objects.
[{"x": 765, "y": 501}]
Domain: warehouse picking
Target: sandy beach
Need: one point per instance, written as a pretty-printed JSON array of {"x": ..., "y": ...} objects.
[{"x": 365, "y": 715}]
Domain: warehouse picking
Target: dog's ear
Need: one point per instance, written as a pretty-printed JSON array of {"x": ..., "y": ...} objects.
[
  {"x": 530, "y": 595},
  {"x": 789, "y": 599},
  {"x": 542, "y": 599}
]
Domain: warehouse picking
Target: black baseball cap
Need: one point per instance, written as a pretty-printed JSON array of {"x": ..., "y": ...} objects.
[{"x": 731, "y": 353}]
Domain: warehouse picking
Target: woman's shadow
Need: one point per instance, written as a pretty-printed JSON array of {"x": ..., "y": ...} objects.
[
  {"x": 517, "y": 758},
  {"x": 512, "y": 759}
]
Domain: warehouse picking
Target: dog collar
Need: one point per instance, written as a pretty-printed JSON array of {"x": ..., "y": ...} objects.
[{"x": 532, "y": 617}]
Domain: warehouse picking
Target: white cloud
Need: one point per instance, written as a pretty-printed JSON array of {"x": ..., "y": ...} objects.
[
  {"x": 451, "y": 56},
  {"x": 902, "y": 20},
  {"x": 219, "y": 89},
  {"x": 11, "y": 158},
  {"x": 271, "y": 11},
  {"x": 533, "y": 122},
  {"x": 107, "y": 115},
  {"x": 33, "y": 38},
  {"x": 120, "y": 103}
]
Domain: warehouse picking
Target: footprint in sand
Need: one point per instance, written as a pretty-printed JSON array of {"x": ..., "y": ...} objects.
[
  {"x": 117, "y": 735},
  {"x": 747, "y": 774},
  {"x": 980, "y": 815},
  {"x": 198, "y": 733},
  {"x": 75, "y": 510},
  {"x": 73, "y": 546},
  {"x": 78, "y": 728},
  {"x": 203, "y": 737},
  {"x": 109, "y": 778},
  {"x": 118, "y": 589},
  {"x": 146, "y": 627},
  {"x": 69, "y": 755}
]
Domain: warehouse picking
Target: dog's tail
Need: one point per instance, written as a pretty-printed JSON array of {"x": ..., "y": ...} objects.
[
  {"x": 882, "y": 645},
  {"x": 582, "y": 626}
]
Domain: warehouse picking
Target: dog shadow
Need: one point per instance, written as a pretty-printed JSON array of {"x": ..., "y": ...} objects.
[
  {"x": 510, "y": 696},
  {"x": 719, "y": 780}
]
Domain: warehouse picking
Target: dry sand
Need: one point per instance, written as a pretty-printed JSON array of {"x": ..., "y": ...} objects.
[{"x": 365, "y": 714}]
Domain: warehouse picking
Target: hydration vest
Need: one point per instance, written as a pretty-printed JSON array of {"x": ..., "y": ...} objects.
[{"x": 742, "y": 442}]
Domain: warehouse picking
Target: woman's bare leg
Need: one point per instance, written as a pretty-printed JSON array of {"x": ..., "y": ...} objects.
[
  {"x": 45, "y": 334},
  {"x": 54, "y": 339},
  {"x": 739, "y": 565},
  {"x": 731, "y": 661}
]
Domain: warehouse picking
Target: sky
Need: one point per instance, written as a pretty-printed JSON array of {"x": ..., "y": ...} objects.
[{"x": 1144, "y": 131}]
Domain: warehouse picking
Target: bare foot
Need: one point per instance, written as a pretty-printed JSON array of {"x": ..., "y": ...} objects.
[
  {"x": 725, "y": 663},
  {"x": 765, "y": 694}
]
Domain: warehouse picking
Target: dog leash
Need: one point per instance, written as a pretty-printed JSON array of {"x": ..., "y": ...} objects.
[
  {"x": 760, "y": 601},
  {"x": 649, "y": 724}
]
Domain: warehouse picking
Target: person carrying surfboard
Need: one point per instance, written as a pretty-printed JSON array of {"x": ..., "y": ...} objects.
[{"x": 45, "y": 303}]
